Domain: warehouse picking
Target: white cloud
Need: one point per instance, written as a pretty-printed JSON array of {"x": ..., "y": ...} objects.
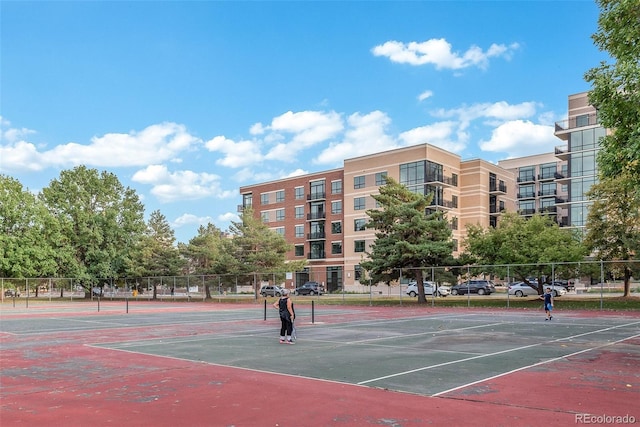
[
  {"x": 442, "y": 134},
  {"x": 366, "y": 134},
  {"x": 501, "y": 111},
  {"x": 438, "y": 52},
  {"x": 236, "y": 154},
  {"x": 154, "y": 144},
  {"x": 308, "y": 128},
  {"x": 425, "y": 95},
  {"x": 182, "y": 185},
  {"x": 228, "y": 217},
  {"x": 521, "y": 138},
  {"x": 190, "y": 219}
]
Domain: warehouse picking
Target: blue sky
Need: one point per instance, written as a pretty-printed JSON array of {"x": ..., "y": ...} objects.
[{"x": 187, "y": 101}]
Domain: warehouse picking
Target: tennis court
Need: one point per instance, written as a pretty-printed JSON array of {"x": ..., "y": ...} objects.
[{"x": 209, "y": 364}]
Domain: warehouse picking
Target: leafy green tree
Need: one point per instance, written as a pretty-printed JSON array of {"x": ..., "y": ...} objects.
[
  {"x": 159, "y": 256},
  {"x": 616, "y": 87},
  {"x": 101, "y": 223},
  {"x": 613, "y": 223},
  {"x": 259, "y": 249},
  {"x": 210, "y": 252},
  {"x": 27, "y": 231},
  {"x": 407, "y": 237},
  {"x": 528, "y": 245}
]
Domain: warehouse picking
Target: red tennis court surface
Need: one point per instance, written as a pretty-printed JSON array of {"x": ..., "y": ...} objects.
[{"x": 57, "y": 369}]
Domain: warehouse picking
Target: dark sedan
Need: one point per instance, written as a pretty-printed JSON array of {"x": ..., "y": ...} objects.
[{"x": 310, "y": 288}]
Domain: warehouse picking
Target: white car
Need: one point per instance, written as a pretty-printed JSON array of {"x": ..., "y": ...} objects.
[
  {"x": 412, "y": 289},
  {"x": 521, "y": 289}
]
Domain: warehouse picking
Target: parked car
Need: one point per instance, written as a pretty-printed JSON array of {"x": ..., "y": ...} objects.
[
  {"x": 11, "y": 293},
  {"x": 480, "y": 287},
  {"x": 310, "y": 288},
  {"x": 521, "y": 289},
  {"x": 272, "y": 291},
  {"x": 429, "y": 287}
]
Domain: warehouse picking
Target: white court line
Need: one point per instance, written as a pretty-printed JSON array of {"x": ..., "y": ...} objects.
[
  {"x": 423, "y": 333},
  {"x": 535, "y": 364},
  {"x": 424, "y": 368}
]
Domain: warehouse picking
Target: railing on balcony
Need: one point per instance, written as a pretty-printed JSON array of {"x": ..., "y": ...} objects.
[
  {"x": 441, "y": 178},
  {"x": 316, "y": 236},
  {"x": 578, "y": 122},
  {"x": 527, "y": 211},
  {"x": 316, "y": 215},
  {"x": 317, "y": 196},
  {"x": 499, "y": 188},
  {"x": 546, "y": 175},
  {"x": 545, "y": 193},
  {"x": 316, "y": 255},
  {"x": 527, "y": 195},
  {"x": 549, "y": 209},
  {"x": 526, "y": 178},
  {"x": 559, "y": 175}
]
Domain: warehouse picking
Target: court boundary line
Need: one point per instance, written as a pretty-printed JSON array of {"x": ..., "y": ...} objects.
[
  {"x": 424, "y": 368},
  {"x": 536, "y": 364}
]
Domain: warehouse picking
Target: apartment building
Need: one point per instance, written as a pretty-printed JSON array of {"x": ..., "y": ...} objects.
[
  {"x": 539, "y": 185},
  {"x": 581, "y": 133},
  {"x": 323, "y": 214}
]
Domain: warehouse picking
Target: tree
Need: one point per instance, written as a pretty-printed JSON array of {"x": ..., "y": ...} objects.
[
  {"x": 530, "y": 246},
  {"x": 616, "y": 87},
  {"x": 27, "y": 231},
  {"x": 210, "y": 252},
  {"x": 259, "y": 249},
  {"x": 101, "y": 223},
  {"x": 613, "y": 223},
  {"x": 406, "y": 235},
  {"x": 158, "y": 254}
]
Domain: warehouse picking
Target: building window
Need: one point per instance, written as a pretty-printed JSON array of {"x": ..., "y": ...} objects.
[
  {"x": 280, "y": 196},
  {"x": 454, "y": 223},
  {"x": 454, "y": 179},
  {"x": 358, "y": 203},
  {"x": 454, "y": 201},
  {"x": 280, "y": 215},
  {"x": 359, "y": 224},
  {"x": 264, "y": 216},
  {"x": 299, "y": 250},
  {"x": 264, "y": 199},
  {"x": 247, "y": 200},
  {"x": 336, "y": 207},
  {"x": 358, "y": 272},
  {"x": 317, "y": 190},
  {"x": 336, "y": 227},
  {"x": 280, "y": 231},
  {"x": 412, "y": 174},
  {"x": 527, "y": 174},
  {"x": 381, "y": 178},
  {"x": 358, "y": 182},
  {"x": 336, "y": 248},
  {"x": 299, "y": 212},
  {"x": 299, "y": 230},
  {"x": 299, "y": 193},
  {"x": 336, "y": 187},
  {"x": 358, "y": 246}
]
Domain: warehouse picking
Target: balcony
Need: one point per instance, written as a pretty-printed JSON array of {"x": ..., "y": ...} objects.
[
  {"x": 442, "y": 179},
  {"x": 562, "y": 152},
  {"x": 316, "y": 255},
  {"x": 494, "y": 210},
  {"x": 527, "y": 195},
  {"x": 580, "y": 121},
  {"x": 527, "y": 211},
  {"x": 549, "y": 209},
  {"x": 527, "y": 178},
  {"x": 317, "y": 196},
  {"x": 547, "y": 193},
  {"x": 547, "y": 176},
  {"x": 316, "y": 215},
  {"x": 319, "y": 235},
  {"x": 500, "y": 188}
]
